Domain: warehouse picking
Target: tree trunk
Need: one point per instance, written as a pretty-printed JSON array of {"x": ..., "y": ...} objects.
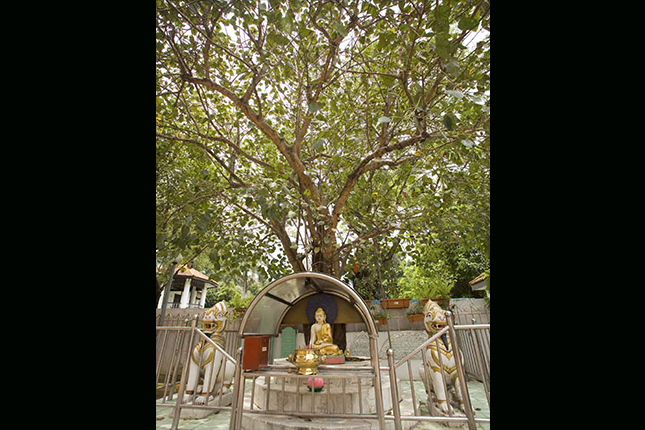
[{"x": 325, "y": 260}]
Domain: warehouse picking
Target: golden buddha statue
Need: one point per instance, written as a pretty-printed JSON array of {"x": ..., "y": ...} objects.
[{"x": 321, "y": 337}]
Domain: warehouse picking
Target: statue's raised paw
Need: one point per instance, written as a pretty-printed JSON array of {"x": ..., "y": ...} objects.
[{"x": 201, "y": 400}]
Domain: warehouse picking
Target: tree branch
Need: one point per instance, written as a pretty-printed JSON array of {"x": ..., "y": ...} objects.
[
  {"x": 240, "y": 183},
  {"x": 365, "y": 166},
  {"x": 279, "y": 141}
]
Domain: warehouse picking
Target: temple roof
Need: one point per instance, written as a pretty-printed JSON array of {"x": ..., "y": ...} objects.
[
  {"x": 187, "y": 271},
  {"x": 478, "y": 283},
  {"x": 197, "y": 278}
]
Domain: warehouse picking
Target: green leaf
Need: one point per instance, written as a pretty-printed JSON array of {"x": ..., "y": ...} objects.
[
  {"x": 314, "y": 107},
  {"x": 444, "y": 47},
  {"x": 467, "y": 143},
  {"x": 478, "y": 100},
  {"x": 441, "y": 22},
  {"x": 317, "y": 145},
  {"x": 385, "y": 39},
  {"x": 455, "y": 93},
  {"x": 452, "y": 67},
  {"x": 448, "y": 121},
  {"x": 161, "y": 238},
  {"x": 387, "y": 80},
  {"x": 383, "y": 119},
  {"x": 468, "y": 23},
  {"x": 340, "y": 28}
]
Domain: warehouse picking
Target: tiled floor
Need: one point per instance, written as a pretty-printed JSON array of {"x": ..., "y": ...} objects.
[{"x": 220, "y": 421}]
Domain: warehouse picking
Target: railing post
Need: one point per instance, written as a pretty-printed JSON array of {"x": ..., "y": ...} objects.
[
  {"x": 378, "y": 393},
  {"x": 479, "y": 356},
  {"x": 237, "y": 405},
  {"x": 184, "y": 376},
  {"x": 396, "y": 408},
  {"x": 460, "y": 373}
]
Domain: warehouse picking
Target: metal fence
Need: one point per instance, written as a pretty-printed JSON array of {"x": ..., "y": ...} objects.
[
  {"x": 475, "y": 345},
  {"x": 291, "y": 396},
  {"x": 175, "y": 346},
  {"x": 183, "y": 319},
  {"x": 397, "y": 394},
  {"x": 278, "y": 397}
]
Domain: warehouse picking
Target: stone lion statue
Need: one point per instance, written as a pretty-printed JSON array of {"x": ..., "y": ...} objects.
[
  {"x": 216, "y": 376},
  {"x": 434, "y": 321}
]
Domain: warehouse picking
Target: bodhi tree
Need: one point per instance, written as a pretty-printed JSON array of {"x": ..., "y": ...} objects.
[{"x": 313, "y": 127}]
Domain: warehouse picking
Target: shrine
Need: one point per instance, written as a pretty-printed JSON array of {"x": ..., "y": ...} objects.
[{"x": 320, "y": 306}]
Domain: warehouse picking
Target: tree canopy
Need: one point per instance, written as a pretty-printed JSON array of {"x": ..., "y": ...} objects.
[{"x": 294, "y": 135}]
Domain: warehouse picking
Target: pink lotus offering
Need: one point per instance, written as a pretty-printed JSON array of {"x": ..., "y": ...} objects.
[{"x": 317, "y": 382}]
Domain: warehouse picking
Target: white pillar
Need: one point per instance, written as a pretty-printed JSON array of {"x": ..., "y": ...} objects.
[
  {"x": 185, "y": 296},
  {"x": 202, "y": 301},
  {"x": 193, "y": 295},
  {"x": 160, "y": 299}
]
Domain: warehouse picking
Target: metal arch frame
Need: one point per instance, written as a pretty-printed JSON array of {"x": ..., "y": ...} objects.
[
  {"x": 305, "y": 296},
  {"x": 359, "y": 304}
]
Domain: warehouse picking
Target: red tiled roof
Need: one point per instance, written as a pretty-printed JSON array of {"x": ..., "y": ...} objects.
[{"x": 187, "y": 271}]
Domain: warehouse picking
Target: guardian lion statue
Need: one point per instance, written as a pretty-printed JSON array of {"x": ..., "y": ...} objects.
[
  {"x": 434, "y": 321},
  {"x": 217, "y": 376}
]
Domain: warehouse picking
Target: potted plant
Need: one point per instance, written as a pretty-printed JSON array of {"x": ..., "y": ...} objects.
[
  {"x": 415, "y": 312},
  {"x": 395, "y": 303},
  {"x": 428, "y": 284},
  {"x": 381, "y": 317}
]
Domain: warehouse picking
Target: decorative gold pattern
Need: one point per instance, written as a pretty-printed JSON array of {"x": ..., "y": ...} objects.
[
  {"x": 198, "y": 350},
  {"x": 449, "y": 370},
  {"x": 444, "y": 351},
  {"x": 219, "y": 339}
]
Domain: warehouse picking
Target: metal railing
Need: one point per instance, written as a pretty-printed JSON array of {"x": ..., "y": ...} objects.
[
  {"x": 470, "y": 418},
  {"x": 475, "y": 345},
  {"x": 175, "y": 346},
  {"x": 306, "y": 404}
]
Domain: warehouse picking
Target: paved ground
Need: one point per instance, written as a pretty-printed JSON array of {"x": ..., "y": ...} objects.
[{"x": 220, "y": 421}]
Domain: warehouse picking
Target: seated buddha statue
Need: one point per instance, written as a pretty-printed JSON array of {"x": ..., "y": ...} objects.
[{"x": 321, "y": 338}]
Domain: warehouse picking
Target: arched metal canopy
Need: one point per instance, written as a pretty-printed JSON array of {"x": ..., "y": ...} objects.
[{"x": 267, "y": 310}]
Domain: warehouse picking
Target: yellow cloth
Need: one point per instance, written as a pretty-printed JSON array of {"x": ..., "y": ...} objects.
[{"x": 324, "y": 336}]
